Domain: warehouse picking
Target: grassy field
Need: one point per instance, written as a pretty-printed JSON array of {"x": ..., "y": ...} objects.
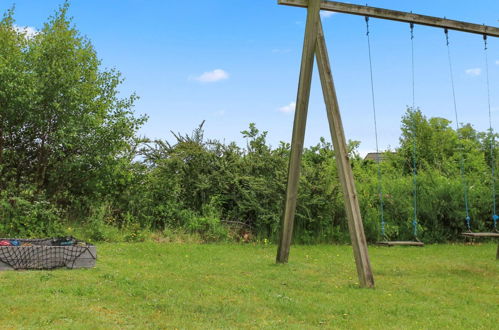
[{"x": 151, "y": 285}]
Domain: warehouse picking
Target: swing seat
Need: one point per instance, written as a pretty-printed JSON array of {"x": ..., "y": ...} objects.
[
  {"x": 469, "y": 234},
  {"x": 492, "y": 234},
  {"x": 401, "y": 243}
]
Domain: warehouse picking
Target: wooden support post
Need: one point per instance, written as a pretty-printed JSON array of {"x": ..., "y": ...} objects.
[
  {"x": 299, "y": 125},
  {"x": 354, "y": 217}
]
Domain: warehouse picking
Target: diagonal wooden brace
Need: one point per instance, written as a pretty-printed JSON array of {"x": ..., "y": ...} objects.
[
  {"x": 302, "y": 99},
  {"x": 355, "y": 225}
]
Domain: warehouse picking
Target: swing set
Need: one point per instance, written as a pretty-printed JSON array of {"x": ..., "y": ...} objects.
[
  {"x": 315, "y": 47},
  {"x": 494, "y": 216}
]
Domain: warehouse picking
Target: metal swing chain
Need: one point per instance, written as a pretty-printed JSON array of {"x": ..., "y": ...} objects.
[
  {"x": 414, "y": 145},
  {"x": 495, "y": 217},
  {"x": 463, "y": 177},
  {"x": 380, "y": 185}
]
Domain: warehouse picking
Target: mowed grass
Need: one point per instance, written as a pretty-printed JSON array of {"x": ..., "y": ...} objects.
[{"x": 152, "y": 285}]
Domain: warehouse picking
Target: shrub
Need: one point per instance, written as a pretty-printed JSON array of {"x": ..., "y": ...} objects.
[{"x": 29, "y": 216}]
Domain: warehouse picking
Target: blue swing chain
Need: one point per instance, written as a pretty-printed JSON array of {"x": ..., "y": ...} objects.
[
  {"x": 414, "y": 145},
  {"x": 380, "y": 184},
  {"x": 495, "y": 217},
  {"x": 463, "y": 177}
]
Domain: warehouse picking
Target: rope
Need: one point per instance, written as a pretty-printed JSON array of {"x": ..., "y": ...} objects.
[
  {"x": 414, "y": 145},
  {"x": 380, "y": 185},
  {"x": 495, "y": 217},
  {"x": 413, "y": 68},
  {"x": 463, "y": 177}
]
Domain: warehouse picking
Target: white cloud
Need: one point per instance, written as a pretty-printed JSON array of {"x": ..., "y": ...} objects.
[
  {"x": 497, "y": 62},
  {"x": 280, "y": 51},
  {"x": 29, "y": 31},
  {"x": 288, "y": 108},
  {"x": 212, "y": 76},
  {"x": 220, "y": 113},
  {"x": 327, "y": 14},
  {"x": 474, "y": 72}
]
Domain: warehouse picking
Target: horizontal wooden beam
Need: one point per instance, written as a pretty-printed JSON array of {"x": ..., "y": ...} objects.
[{"x": 400, "y": 16}]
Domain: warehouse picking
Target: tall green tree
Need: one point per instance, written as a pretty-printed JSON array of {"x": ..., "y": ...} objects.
[
  {"x": 64, "y": 129},
  {"x": 17, "y": 86}
]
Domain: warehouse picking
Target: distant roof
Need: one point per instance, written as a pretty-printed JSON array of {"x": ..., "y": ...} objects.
[{"x": 374, "y": 156}]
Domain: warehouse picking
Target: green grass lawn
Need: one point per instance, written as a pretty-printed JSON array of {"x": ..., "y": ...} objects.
[{"x": 151, "y": 285}]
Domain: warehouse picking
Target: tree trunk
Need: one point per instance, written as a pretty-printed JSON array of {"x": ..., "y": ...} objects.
[
  {"x": 41, "y": 162},
  {"x": 1, "y": 146}
]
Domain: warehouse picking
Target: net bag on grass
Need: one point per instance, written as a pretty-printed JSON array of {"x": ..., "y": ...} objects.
[{"x": 48, "y": 253}]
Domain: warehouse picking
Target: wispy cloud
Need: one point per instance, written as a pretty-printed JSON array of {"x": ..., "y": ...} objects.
[
  {"x": 288, "y": 108},
  {"x": 474, "y": 72},
  {"x": 497, "y": 62},
  {"x": 28, "y": 31},
  {"x": 280, "y": 51},
  {"x": 212, "y": 76},
  {"x": 327, "y": 14}
]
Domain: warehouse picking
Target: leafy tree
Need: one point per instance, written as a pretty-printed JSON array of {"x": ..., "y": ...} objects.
[
  {"x": 17, "y": 87},
  {"x": 63, "y": 127}
]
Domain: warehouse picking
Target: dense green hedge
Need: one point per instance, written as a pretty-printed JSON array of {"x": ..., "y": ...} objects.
[{"x": 247, "y": 185}]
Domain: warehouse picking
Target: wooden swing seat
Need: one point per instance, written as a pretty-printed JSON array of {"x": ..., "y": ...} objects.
[
  {"x": 492, "y": 234},
  {"x": 401, "y": 243}
]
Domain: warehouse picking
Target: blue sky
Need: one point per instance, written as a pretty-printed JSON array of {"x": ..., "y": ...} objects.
[{"x": 232, "y": 62}]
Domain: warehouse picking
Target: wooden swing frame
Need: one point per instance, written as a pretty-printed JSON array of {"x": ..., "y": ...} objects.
[{"x": 314, "y": 46}]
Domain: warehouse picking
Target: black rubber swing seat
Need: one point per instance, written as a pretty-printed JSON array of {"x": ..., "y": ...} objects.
[
  {"x": 401, "y": 243},
  {"x": 481, "y": 234}
]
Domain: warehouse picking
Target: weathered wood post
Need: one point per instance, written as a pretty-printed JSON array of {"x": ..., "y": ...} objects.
[
  {"x": 307, "y": 64},
  {"x": 355, "y": 225}
]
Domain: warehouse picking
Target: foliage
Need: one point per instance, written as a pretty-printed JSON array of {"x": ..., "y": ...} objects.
[
  {"x": 27, "y": 215},
  {"x": 247, "y": 186},
  {"x": 63, "y": 128}
]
